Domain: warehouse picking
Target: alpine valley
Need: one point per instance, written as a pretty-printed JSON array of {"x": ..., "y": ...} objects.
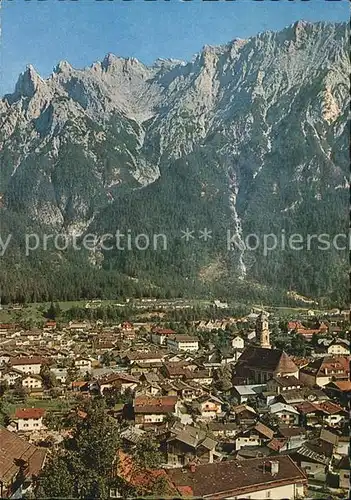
[{"x": 248, "y": 137}]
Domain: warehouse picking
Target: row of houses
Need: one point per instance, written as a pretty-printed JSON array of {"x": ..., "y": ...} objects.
[{"x": 280, "y": 416}]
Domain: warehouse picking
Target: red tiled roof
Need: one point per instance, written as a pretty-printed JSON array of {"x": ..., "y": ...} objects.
[
  {"x": 276, "y": 444},
  {"x": 163, "y": 404},
  {"x": 343, "y": 385},
  {"x": 7, "y": 326},
  {"x": 29, "y": 412},
  {"x": 329, "y": 407},
  {"x": 308, "y": 331},
  {"x": 142, "y": 479},
  {"x": 186, "y": 491},
  {"x": 163, "y": 331},
  {"x": 292, "y": 325},
  {"x": 306, "y": 407}
]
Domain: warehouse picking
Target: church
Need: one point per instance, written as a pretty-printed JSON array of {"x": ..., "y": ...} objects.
[
  {"x": 262, "y": 330},
  {"x": 259, "y": 364}
]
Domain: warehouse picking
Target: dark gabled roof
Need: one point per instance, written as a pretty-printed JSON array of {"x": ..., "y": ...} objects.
[
  {"x": 270, "y": 360},
  {"x": 293, "y": 396},
  {"x": 287, "y": 381},
  {"x": 344, "y": 463},
  {"x": 329, "y": 437},
  {"x": 27, "y": 360},
  {"x": 288, "y": 432},
  {"x": 118, "y": 377},
  {"x": 317, "y": 450},
  {"x": 221, "y": 480},
  {"x": 14, "y": 449},
  {"x": 193, "y": 437},
  {"x": 140, "y": 356}
]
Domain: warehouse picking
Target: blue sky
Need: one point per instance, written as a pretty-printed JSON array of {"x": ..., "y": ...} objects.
[{"x": 83, "y": 31}]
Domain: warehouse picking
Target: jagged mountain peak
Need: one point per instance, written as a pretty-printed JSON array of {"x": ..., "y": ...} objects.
[
  {"x": 63, "y": 67},
  {"x": 253, "y": 132},
  {"x": 112, "y": 63},
  {"x": 28, "y": 82}
]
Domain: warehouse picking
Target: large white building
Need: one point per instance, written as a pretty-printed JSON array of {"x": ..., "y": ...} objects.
[
  {"x": 183, "y": 343},
  {"x": 28, "y": 365}
]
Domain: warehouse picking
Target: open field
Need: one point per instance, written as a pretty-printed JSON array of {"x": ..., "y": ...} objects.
[
  {"x": 35, "y": 312},
  {"x": 47, "y": 404}
]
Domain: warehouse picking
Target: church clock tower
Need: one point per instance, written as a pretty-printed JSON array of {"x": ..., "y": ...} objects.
[{"x": 262, "y": 330}]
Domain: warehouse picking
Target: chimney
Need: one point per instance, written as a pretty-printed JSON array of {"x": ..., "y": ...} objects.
[{"x": 274, "y": 467}]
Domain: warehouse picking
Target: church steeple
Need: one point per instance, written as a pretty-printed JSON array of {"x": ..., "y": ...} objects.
[{"x": 262, "y": 330}]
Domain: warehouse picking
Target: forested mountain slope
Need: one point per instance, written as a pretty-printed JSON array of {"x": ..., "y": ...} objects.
[{"x": 249, "y": 137}]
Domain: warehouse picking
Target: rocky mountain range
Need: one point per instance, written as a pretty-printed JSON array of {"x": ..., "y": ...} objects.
[{"x": 247, "y": 138}]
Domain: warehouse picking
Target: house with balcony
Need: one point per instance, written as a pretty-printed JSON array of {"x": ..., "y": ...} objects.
[
  {"x": 208, "y": 407},
  {"x": 339, "y": 347},
  {"x": 287, "y": 414},
  {"x": 184, "y": 444},
  {"x": 154, "y": 410}
]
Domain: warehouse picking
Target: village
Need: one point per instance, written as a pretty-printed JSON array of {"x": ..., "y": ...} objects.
[{"x": 238, "y": 407}]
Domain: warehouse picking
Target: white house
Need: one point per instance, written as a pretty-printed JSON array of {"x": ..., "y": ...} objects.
[
  {"x": 4, "y": 358},
  {"x": 220, "y": 305},
  {"x": 247, "y": 440},
  {"x": 343, "y": 469},
  {"x": 32, "y": 382},
  {"x": 183, "y": 343},
  {"x": 29, "y": 419},
  {"x": 28, "y": 365},
  {"x": 60, "y": 374},
  {"x": 286, "y": 413},
  {"x": 209, "y": 407},
  {"x": 238, "y": 342},
  {"x": 10, "y": 376},
  {"x": 339, "y": 347},
  {"x": 83, "y": 364},
  {"x": 244, "y": 392}
]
